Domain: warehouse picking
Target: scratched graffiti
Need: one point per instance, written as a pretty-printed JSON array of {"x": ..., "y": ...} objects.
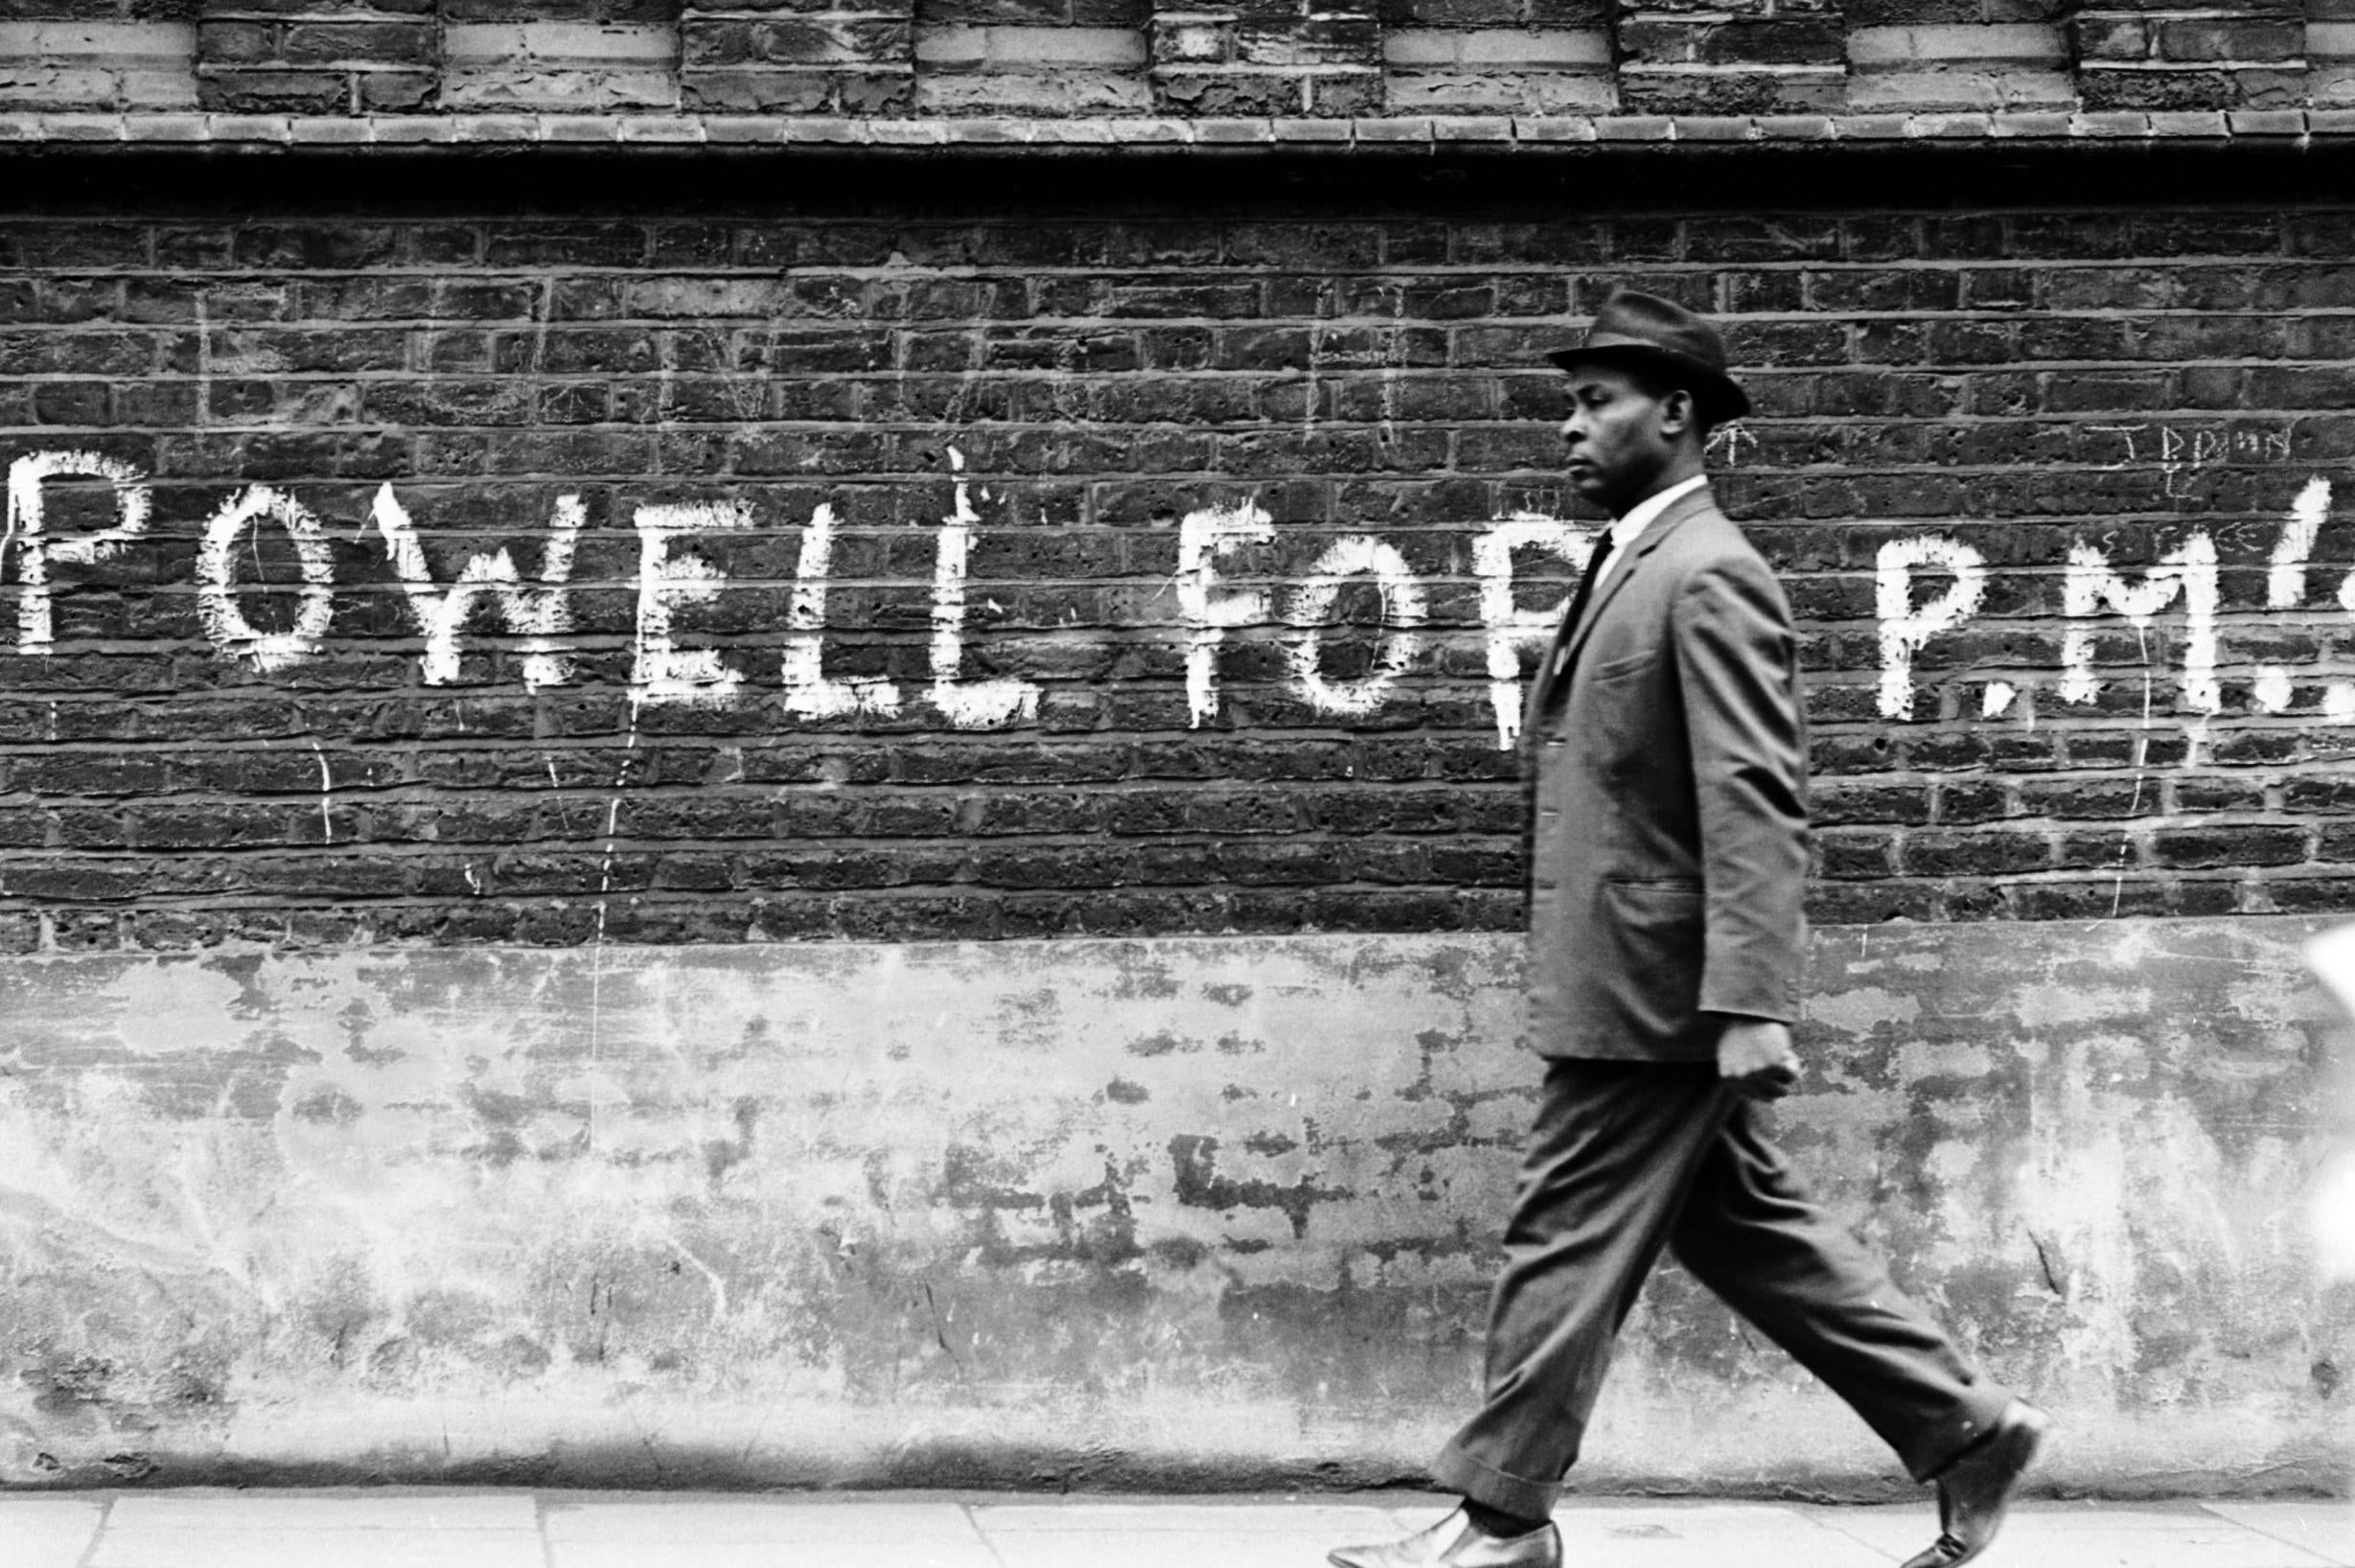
[
  {"x": 2182, "y": 454},
  {"x": 1927, "y": 587}
]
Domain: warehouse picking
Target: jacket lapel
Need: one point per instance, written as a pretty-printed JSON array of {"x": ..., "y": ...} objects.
[
  {"x": 1689, "y": 504},
  {"x": 1560, "y": 655}
]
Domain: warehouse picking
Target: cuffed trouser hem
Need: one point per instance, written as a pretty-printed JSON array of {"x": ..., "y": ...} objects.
[
  {"x": 1938, "y": 1446},
  {"x": 1458, "y": 1471}
]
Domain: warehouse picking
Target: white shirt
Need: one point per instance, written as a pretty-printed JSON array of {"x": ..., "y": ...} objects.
[{"x": 1639, "y": 517}]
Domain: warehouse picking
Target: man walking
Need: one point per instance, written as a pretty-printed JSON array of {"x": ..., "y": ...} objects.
[{"x": 1665, "y": 753}]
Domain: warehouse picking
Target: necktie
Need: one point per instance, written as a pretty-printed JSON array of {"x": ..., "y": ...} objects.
[{"x": 1578, "y": 603}]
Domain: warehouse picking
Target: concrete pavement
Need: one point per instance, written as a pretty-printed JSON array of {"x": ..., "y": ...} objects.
[{"x": 419, "y": 1529}]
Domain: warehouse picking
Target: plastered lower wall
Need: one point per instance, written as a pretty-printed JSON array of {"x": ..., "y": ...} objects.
[{"x": 1198, "y": 1210}]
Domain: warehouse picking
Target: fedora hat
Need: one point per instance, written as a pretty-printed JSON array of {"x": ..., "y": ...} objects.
[{"x": 1662, "y": 335}]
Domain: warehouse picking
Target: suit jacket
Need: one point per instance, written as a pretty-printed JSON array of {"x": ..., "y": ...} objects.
[{"x": 1666, "y": 773}]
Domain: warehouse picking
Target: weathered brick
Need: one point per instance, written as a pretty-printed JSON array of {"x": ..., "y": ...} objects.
[
  {"x": 2237, "y": 39},
  {"x": 317, "y": 59},
  {"x": 320, "y": 42},
  {"x": 1347, "y": 370}
]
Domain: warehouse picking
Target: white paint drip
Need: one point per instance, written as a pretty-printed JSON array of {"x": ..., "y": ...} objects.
[
  {"x": 605, "y": 889},
  {"x": 556, "y": 787},
  {"x": 809, "y": 690},
  {"x": 1311, "y": 608},
  {"x": 217, "y": 606},
  {"x": 1513, "y": 630},
  {"x": 2285, "y": 583},
  {"x": 2285, "y": 579},
  {"x": 612, "y": 826},
  {"x": 539, "y": 615},
  {"x": 2143, "y": 755},
  {"x": 976, "y": 705},
  {"x": 662, "y": 671},
  {"x": 327, "y": 785},
  {"x": 2093, "y": 583},
  {"x": 35, "y": 550},
  {"x": 1904, "y": 629},
  {"x": 1203, "y": 537},
  {"x": 2195, "y": 737}
]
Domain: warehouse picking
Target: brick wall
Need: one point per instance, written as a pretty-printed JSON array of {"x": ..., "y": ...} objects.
[
  {"x": 500, "y": 654},
  {"x": 1231, "y": 471}
]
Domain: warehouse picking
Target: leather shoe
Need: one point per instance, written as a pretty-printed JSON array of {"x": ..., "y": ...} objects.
[
  {"x": 1975, "y": 1488},
  {"x": 1455, "y": 1543}
]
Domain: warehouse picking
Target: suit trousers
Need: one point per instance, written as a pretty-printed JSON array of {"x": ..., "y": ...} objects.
[{"x": 1626, "y": 1158}]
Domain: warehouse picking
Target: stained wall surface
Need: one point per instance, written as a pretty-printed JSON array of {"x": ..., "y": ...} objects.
[
  {"x": 1181, "y": 1211},
  {"x": 799, "y": 823}
]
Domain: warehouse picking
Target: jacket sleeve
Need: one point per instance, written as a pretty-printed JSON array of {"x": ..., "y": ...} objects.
[{"x": 1737, "y": 667}]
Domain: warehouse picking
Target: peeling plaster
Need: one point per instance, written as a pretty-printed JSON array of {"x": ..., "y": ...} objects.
[
  {"x": 1858, "y": 1011},
  {"x": 894, "y": 1214}
]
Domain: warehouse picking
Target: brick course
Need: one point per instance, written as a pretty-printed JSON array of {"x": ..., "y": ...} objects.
[
  {"x": 318, "y": 57},
  {"x": 1732, "y": 71},
  {"x": 2028, "y": 382},
  {"x": 762, "y": 57}
]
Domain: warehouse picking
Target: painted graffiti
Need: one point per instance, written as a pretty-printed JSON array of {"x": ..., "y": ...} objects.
[
  {"x": 2094, "y": 589},
  {"x": 539, "y": 615},
  {"x": 1927, "y": 587}
]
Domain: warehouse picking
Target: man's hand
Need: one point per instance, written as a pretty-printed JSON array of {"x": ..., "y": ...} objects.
[{"x": 1754, "y": 1056}]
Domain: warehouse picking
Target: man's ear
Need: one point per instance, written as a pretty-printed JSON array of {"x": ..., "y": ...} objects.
[{"x": 1677, "y": 415}]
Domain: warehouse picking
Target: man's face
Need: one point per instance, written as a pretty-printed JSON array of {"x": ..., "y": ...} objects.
[{"x": 1621, "y": 438}]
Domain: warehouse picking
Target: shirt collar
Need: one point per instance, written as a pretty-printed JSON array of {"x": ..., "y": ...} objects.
[{"x": 1643, "y": 513}]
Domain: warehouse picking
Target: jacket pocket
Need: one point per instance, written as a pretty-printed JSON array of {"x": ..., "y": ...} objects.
[
  {"x": 1615, "y": 669},
  {"x": 1655, "y": 942}
]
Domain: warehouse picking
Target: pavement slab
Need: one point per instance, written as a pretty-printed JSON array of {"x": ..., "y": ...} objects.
[
  {"x": 752, "y": 1522},
  {"x": 756, "y": 1555},
  {"x": 1709, "y": 1535},
  {"x": 315, "y": 1548},
  {"x": 1184, "y": 1535},
  {"x": 2325, "y": 1529},
  {"x": 206, "y": 1529},
  {"x": 404, "y": 1510},
  {"x": 1341, "y": 1522},
  {"x": 2090, "y": 1535},
  {"x": 48, "y": 1532},
  {"x": 513, "y": 1529},
  {"x": 749, "y": 1533}
]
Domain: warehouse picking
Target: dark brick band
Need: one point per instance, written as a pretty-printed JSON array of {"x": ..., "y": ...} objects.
[{"x": 2024, "y": 380}]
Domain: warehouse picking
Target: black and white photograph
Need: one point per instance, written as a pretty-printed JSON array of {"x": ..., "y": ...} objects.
[{"x": 1155, "y": 783}]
